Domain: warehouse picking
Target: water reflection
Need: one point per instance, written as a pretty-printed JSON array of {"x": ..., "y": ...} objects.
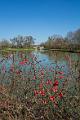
[
  {"x": 69, "y": 61},
  {"x": 72, "y": 66}
]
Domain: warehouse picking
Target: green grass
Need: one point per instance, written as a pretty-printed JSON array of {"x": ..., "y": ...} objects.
[
  {"x": 16, "y": 49},
  {"x": 30, "y": 49}
]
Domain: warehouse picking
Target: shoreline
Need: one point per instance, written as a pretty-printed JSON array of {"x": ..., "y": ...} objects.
[
  {"x": 31, "y": 49},
  {"x": 62, "y": 50}
]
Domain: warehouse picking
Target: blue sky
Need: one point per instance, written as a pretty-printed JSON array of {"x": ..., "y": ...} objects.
[{"x": 39, "y": 18}]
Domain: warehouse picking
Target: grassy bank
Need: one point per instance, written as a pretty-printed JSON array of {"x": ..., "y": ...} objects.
[
  {"x": 30, "y": 49},
  {"x": 16, "y": 49},
  {"x": 63, "y": 50}
]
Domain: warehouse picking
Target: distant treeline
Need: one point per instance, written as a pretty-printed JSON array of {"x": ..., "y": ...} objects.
[
  {"x": 17, "y": 42},
  {"x": 70, "y": 42}
]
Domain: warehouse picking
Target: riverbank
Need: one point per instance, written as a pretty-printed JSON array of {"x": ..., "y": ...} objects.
[
  {"x": 64, "y": 50},
  {"x": 30, "y": 49},
  {"x": 16, "y": 49}
]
